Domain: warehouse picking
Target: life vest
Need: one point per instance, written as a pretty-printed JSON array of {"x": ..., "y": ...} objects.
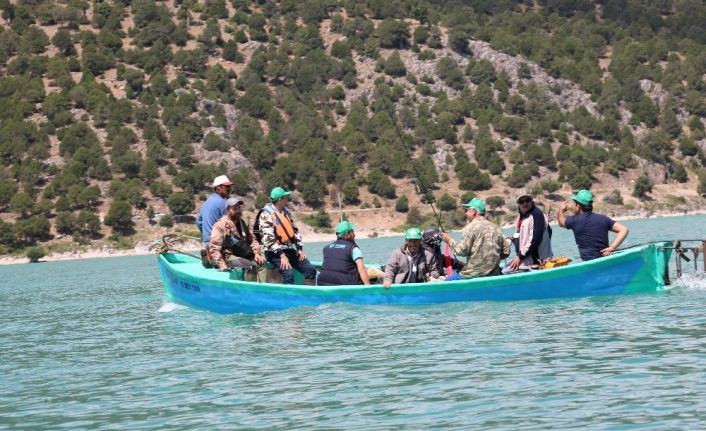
[
  {"x": 556, "y": 262},
  {"x": 284, "y": 229},
  {"x": 338, "y": 267}
]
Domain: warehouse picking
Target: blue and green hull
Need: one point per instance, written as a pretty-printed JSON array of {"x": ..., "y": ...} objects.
[{"x": 636, "y": 270}]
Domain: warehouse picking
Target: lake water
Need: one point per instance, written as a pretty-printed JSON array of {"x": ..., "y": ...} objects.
[{"x": 91, "y": 345}]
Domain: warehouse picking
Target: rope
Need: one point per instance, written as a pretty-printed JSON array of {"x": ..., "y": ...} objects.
[{"x": 427, "y": 194}]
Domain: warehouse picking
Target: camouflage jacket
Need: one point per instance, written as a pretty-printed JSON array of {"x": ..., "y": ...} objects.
[
  {"x": 217, "y": 245},
  {"x": 484, "y": 246},
  {"x": 266, "y": 226}
]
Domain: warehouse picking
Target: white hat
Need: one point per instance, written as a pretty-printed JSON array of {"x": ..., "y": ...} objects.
[{"x": 222, "y": 180}]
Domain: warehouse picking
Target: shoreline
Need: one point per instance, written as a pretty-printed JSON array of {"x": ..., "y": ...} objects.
[{"x": 143, "y": 249}]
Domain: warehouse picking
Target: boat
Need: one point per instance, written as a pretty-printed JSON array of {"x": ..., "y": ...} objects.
[{"x": 640, "y": 269}]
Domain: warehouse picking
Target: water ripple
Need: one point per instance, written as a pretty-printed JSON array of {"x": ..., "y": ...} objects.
[{"x": 109, "y": 353}]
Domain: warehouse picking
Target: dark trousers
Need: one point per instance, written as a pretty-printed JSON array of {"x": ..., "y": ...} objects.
[{"x": 304, "y": 266}]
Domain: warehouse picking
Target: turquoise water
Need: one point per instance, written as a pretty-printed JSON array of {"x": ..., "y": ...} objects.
[{"x": 91, "y": 345}]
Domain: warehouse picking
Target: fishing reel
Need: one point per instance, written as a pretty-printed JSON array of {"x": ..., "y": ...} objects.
[{"x": 432, "y": 237}]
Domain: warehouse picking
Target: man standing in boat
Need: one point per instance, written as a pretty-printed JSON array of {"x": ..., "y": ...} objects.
[
  {"x": 214, "y": 208},
  {"x": 590, "y": 229},
  {"x": 343, "y": 260},
  {"x": 281, "y": 240},
  {"x": 482, "y": 243},
  {"x": 230, "y": 237},
  {"x": 532, "y": 238}
]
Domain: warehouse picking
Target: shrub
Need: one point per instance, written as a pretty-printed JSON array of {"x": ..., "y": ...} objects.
[
  {"x": 166, "y": 221},
  {"x": 181, "y": 203},
  {"x": 614, "y": 198},
  {"x": 402, "y": 204},
  {"x": 120, "y": 217},
  {"x": 643, "y": 185},
  {"x": 394, "y": 66},
  {"x": 446, "y": 202},
  {"x": 34, "y": 254},
  {"x": 495, "y": 202}
]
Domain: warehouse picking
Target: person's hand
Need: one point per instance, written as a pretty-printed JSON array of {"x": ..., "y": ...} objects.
[
  {"x": 255, "y": 246},
  {"x": 607, "y": 251},
  {"x": 445, "y": 237},
  {"x": 260, "y": 259},
  {"x": 301, "y": 255},
  {"x": 515, "y": 262},
  {"x": 284, "y": 264},
  {"x": 564, "y": 206},
  {"x": 386, "y": 284}
]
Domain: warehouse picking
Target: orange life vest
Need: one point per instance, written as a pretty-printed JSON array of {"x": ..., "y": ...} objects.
[
  {"x": 555, "y": 262},
  {"x": 284, "y": 230}
]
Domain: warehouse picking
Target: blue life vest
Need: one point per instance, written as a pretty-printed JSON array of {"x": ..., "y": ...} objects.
[{"x": 339, "y": 267}]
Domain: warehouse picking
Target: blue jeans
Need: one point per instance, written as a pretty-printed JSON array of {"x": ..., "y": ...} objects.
[{"x": 304, "y": 266}]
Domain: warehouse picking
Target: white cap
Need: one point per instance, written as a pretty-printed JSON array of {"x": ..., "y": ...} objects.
[{"x": 222, "y": 180}]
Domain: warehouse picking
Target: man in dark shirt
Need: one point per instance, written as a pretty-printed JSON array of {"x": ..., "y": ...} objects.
[{"x": 591, "y": 229}]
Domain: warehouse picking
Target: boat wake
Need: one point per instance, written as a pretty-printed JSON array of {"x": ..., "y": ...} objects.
[
  {"x": 168, "y": 307},
  {"x": 691, "y": 282}
]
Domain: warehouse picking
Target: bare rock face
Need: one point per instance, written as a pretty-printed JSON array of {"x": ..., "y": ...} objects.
[
  {"x": 656, "y": 173},
  {"x": 654, "y": 90}
]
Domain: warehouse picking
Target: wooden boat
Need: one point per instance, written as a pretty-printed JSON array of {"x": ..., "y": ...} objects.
[{"x": 641, "y": 269}]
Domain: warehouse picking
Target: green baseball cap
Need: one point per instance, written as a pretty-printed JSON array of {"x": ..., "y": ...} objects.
[
  {"x": 584, "y": 197},
  {"x": 413, "y": 233},
  {"x": 278, "y": 193},
  {"x": 344, "y": 227},
  {"x": 476, "y": 203}
]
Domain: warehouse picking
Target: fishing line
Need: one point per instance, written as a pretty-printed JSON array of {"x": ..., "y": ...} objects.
[{"x": 427, "y": 193}]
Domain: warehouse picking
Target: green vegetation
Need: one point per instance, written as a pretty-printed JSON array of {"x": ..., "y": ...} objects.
[
  {"x": 34, "y": 254},
  {"x": 94, "y": 111}
]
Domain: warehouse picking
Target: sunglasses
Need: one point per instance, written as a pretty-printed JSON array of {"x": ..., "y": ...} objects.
[{"x": 524, "y": 201}]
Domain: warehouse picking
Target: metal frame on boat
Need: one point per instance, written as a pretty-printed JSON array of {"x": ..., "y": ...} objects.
[{"x": 639, "y": 269}]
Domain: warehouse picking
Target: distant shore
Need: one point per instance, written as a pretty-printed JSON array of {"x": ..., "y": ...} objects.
[{"x": 307, "y": 232}]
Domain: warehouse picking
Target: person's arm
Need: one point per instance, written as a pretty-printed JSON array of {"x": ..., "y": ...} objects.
[
  {"x": 362, "y": 271},
  {"x": 215, "y": 245},
  {"x": 538, "y": 225},
  {"x": 561, "y": 217},
  {"x": 390, "y": 270},
  {"x": 433, "y": 269},
  {"x": 622, "y": 233}
]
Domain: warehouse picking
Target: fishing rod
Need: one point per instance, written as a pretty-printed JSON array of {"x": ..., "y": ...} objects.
[{"x": 427, "y": 193}]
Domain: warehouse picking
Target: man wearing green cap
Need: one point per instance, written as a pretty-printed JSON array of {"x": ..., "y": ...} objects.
[
  {"x": 343, "y": 260},
  {"x": 410, "y": 263},
  {"x": 275, "y": 229},
  {"x": 482, "y": 243},
  {"x": 590, "y": 229}
]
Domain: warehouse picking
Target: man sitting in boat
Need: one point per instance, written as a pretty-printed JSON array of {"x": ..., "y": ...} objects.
[
  {"x": 532, "y": 238},
  {"x": 281, "y": 239},
  {"x": 214, "y": 208},
  {"x": 482, "y": 242},
  {"x": 410, "y": 263},
  {"x": 590, "y": 229},
  {"x": 230, "y": 237},
  {"x": 446, "y": 263},
  {"x": 343, "y": 260}
]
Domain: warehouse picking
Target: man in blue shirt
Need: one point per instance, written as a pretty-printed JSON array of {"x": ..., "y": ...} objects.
[
  {"x": 214, "y": 208},
  {"x": 590, "y": 229}
]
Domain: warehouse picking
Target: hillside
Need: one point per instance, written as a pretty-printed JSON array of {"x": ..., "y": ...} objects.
[{"x": 116, "y": 113}]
